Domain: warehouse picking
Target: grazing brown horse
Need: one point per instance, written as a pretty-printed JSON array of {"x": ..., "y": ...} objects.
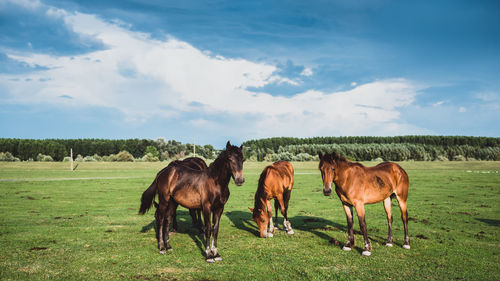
[
  {"x": 275, "y": 182},
  {"x": 195, "y": 163},
  {"x": 357, "y": 185},
  {"x": 206, "y": 189}
]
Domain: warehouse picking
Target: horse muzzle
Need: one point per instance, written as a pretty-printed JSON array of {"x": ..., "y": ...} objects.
[
  {"x": 239, "y": 180},
  {"x": 327, "y": 191}
]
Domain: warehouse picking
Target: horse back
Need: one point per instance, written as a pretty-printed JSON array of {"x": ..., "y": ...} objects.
[
  {"x": 277, "y": 178},
  {"x": 182, "y": 183}
]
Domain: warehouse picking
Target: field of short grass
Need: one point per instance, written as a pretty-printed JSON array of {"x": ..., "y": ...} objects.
[{"x": 83, "y": 225}]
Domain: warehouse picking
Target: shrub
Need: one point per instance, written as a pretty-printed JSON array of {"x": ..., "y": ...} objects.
[
  {"x": 459, "y": 158},
  {"x": 66, "y": 159},
  {"x": 89, "y": 159},
  {"x": 442, "y": 158},
  {"x": 148, "y": 157},
  {"x": 79, "y": 158},
  {"x": 8, "y": 157},
  {"x": 124, "y": 156},
  {"x": 44, "y": 158}
]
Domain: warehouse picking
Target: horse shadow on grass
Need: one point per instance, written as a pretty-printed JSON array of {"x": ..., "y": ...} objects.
[
  {"x": 491, "y": 222},
  {"x": 183, "y": 226},
  {"x": 315, "y": 225}
]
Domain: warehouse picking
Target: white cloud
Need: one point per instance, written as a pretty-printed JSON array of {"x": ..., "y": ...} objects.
[
  {"x": 462, "y": 109},
  {"x": 354, "y": 84},
  {"x": 307, "y": 72},
  {"x": 144, "y": 77},
  {"x": 438, "y": 103}
]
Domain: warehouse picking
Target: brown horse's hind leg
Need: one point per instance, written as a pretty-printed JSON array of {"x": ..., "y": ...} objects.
[
  {"x": 350, "y": 230},
  {"x": 404, "y": 217},
  {"x": 276, "y": 208},
  {"x": 360, "y": 210},
  {"x": 388, "y": 211},
  {"x": 171, "y": 209},
  {"x": 160, "y": 222}
]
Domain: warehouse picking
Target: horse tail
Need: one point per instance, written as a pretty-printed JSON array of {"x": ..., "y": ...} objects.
[
  {"x": 147, "y": 197},
  {"x": 403, "y": 183}
]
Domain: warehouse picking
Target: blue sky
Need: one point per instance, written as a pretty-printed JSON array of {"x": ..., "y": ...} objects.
[{"x": 239, "y": 70}]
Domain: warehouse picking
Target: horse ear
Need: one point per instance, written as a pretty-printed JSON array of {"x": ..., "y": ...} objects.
[
  {"x": 320, "y": 155},
  {"x": 228, "y": 145},
  {"x": 251, "y": 209},
  {"x": 241, "y": 146}
]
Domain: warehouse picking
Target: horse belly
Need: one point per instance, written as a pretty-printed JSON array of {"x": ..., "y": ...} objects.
[
  {"x": 377, "y": 194},
  {"x": 187, "y": 198}
]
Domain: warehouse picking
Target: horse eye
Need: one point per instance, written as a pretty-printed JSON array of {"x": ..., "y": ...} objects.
[{"x": 262, "y": 220}]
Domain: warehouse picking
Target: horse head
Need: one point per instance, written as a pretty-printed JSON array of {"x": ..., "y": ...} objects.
[
  {"x": 235, "y": 156},
  {"x": 327, "y": 165}
]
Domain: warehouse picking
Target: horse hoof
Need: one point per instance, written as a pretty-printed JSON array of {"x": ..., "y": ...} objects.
[
  {"x": 210, "y": 260},
  {"x": 346, "y": 248},
  {"x": 162, "y": 252},
  {"x": 218, "y": 258},
  {"x": 366, "y": 253},
  {"x": 406, "y": 247},
  {"x": 388, "y": 244},
  {"x": 269, "y": 235},
  {"x": 290, "y": 232}
]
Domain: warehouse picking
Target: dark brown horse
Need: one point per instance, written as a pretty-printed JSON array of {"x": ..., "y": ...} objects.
[
  {"x": 195, "y": 163},
  {"x": 357, "y": 185},
  {"x": 207, "y": 190},
  {"x": 275, "y": 182}
]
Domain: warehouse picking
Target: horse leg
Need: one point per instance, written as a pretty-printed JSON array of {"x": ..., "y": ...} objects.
[
  {"x": 404, "y": 217},
  {"x": 350, "y": 229},
  {"x": 216, "y": 219},
  {"x": 175, "y": 227},
  {"x": 270, "y": 233},
  {"x": 388, "y": 211},
  {"x": 194, "y": 220},
  {"x": 171, "y": 210},
  {"x": 276, "y": 207},
  {"x": 284, "y": 209},
  {"x": 160, "y": 222},
  {"x": 199, "y": 222},
  {"x": 360, "y": 210},
  {"x": 206, "y": 218}
]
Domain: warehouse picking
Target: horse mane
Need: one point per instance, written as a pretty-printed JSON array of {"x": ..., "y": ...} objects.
[
  {"x": 219, "y": 162},
  {"x": 261, "y": 191},
  {"x": 339, "y": 158}
]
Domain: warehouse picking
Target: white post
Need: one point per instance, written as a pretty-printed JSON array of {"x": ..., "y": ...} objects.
[{"x": 71, "y": 159}]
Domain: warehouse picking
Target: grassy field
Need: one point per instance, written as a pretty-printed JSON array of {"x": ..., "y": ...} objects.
[{"x": 83, "y": 225}]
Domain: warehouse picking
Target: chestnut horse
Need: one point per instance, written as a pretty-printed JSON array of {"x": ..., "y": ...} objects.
[
  {"x": 206, "y": 189},
  {"x": 193, "y": 163},
  {"x": 357, "y": 185},
  {"x": 275, "y": 182}
]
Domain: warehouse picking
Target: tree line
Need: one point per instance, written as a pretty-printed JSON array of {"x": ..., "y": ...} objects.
[
  {"x": 399, "y": 148},
  {"x": 58, "y": 149}
]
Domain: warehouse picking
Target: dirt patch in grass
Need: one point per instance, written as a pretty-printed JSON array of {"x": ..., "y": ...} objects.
[
  {"x": 38, "y": 248},
  {"x": 421, "y": 236}
]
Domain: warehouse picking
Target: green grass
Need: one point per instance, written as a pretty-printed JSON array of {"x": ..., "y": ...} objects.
[{"x": 83, "y": 225}]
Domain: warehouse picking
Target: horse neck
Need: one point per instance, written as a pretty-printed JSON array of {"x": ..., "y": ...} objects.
[
  {"x": 341, "y": 171},
  {"x": 219, "y": 170},
  {"x": 259, "y": 204}
]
